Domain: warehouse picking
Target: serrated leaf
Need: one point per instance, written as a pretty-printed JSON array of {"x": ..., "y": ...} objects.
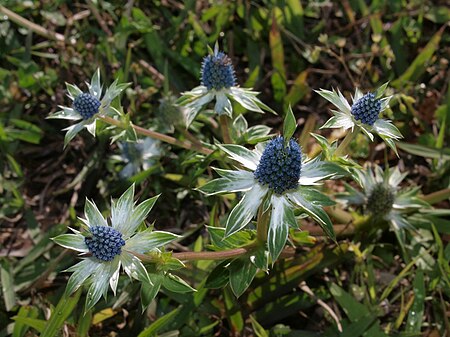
[{"x": 235, "y": 240}]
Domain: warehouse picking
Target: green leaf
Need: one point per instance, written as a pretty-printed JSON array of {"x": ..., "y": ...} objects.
[
  {"x": 361, "y": 327},
  {"x": 380, "y": 91},
  {"x": 176, "y": 284},
  {"x": 235, "y": 240},
  {"x": 7, "y": 282},
  {"x": 20, "y": 328},
  {"x": 160, "y": 323},
  {"x": 219, "y": 277},
  {"x": 62, "y": 311},
  {"x": 425, "y": 151},
  {"x": 419, "y": 65},
  {"x": 276, "y": 48},
  {"x": 257, "y": 328},
  {"x": 289, "y": 126},
  {"x": 148, "y": 291},
  {"x": 415, "y": 315},
  {"x": 27, "y": 131},
  {"x": 242, "y": 272},
  {"x": 84, "y": 324},
  {"x": 299, "y": 88},
  {"x": 38, "y": 324}
]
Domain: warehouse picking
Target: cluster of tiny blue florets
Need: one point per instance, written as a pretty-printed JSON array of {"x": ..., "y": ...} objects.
[
  {"x": 217, "y": 72},
  {"x": 105, "y": 242},
  {"x": 366, "y": 109},
  {"x": 86, "y": 105},
  {"x": 280, "y": 166}
]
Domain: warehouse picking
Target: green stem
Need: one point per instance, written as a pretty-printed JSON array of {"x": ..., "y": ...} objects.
[
  {"x": 217, "y": 255},
  {"x": 436, "y": 197},
  {"x": 261, "y": 224},
  {"x": 225, "y": 129},
  {"x": 156, "y": 135},
  {"x": 340, "y": 151}
]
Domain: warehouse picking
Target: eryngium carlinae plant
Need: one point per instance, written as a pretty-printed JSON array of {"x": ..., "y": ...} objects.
[
  {"x": 87, "y": 105},
  {"x": 383, "y": 200},
  {"x": 278, "y": 175},
  {"x": 218, "y": 82},
  {"x": 105, "y": 248},
  {"x": 363, "y": 114},
  {"x": 137, "y": 156}
]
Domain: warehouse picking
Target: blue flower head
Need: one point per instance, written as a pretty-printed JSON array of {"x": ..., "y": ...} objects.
[
  {"x": 86, "y": 105},
  {"x": 381, "y": 200},
  {"x": 105, "y": 242},
  {"x": 366, "y": 109},
  {"x": 217, "y": 72},
  {"x": 280, "y": 165}
]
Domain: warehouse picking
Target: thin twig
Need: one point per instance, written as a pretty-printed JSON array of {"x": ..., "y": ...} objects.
[
  {"x": 156, "y": 135},
  {"x": 31, "y": 25},
  {"x": 306, "y": 289}
]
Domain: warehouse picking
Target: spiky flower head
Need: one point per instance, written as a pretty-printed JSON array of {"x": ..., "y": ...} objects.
[
  {"x": 280, "y": 165},
  {"x": 217, "y": 72},
  {"x": 86, "y": 105},
  {"x": 367, "y": 109},
  {"x": 104, "y": 242},
  {"x": 380, "y": 200}
]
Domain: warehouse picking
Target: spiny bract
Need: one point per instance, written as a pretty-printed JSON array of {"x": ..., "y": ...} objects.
[
  {"x": 105, "y": 242},
  {"x": 366, "y": 109},
  {"x": 217, "y": 72},
  {"x": 280, "y": 166},
  {"x": 380, "y": 200},
  {"x": 86, "y": 105}
]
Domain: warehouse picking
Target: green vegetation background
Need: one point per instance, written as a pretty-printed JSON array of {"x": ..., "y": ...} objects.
[{"x": 284, "y": 49}]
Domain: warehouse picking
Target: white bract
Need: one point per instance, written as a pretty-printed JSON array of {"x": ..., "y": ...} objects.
[
  {"x": 255, "y": 194},
  {"x": 197, "y": 99},
  {"x": 402, "y": 202},
  {"x": 95, "y": 88},
  {"x": 343, "y": 117},
  {"x": 125, "y": 219}
]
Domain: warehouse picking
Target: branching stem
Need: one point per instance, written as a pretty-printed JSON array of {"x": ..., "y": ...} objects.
[{"x": 156, "y": 135}]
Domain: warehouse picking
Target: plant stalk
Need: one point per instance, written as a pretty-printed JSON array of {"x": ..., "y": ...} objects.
[
  {"x": 261, "y": 225},
  {"x": 340, "y": 151},
  {"x": 162, "y": 137},
  {"x": 213, "y": 256},
  {"x": 437, "y": 196},
  {"x": 225, "y": 129}
]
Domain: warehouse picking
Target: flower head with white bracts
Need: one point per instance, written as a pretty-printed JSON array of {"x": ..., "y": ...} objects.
[
  {"x": 381, "y": 197},
  {"x": 276, "y": 174},
  {"x": 87, "y": 105},
  {"x": 362, "y": 114},
  {"x": 112, "y": 246},
  {"x": 218, "y": 82},
  {"x": 137, "y": 156}
]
